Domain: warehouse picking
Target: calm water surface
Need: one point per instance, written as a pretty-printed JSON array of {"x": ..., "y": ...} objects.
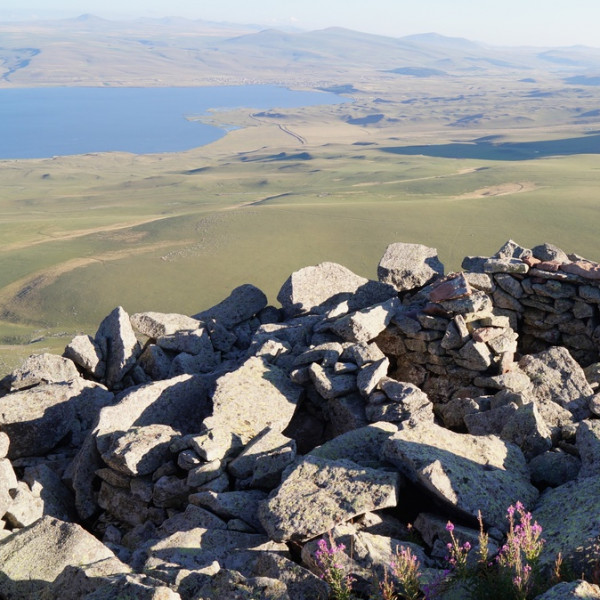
[{"x": 44, "y": 122}]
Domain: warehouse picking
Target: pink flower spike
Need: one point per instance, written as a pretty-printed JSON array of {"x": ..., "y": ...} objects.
[{"x": 450, "y": 526}]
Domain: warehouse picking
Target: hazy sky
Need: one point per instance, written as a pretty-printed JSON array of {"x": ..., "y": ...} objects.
[{"x": 509, "y": 22}]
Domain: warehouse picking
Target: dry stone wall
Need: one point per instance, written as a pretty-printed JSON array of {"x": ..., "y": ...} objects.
[{"x": 202, "y": 457}]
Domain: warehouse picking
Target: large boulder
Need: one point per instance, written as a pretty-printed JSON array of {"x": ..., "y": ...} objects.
[
  {"x": 36, "y": 420},
  {"x": 326, "y": 285},
  {"x": 198, "y": 548},
  {"x": 468, "y": 473},
  {"x": 557, "y": 379},
  {"x": 571, "y": 590},
  {"x": 317, "y": 494},
  {"x": 34, "y": 556},
  {"x": 156, "y": 324},
  {"x": 409, "y": 266},
  {"x": 243, "y": 303},
  {"x": 119, "y": 346},
  {"x": 570, "y": 520},
  {"x": 43, "y": 368},
  {"x": 255, "y": 396}
]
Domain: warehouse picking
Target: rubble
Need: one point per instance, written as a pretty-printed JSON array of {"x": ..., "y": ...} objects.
[{"x": 203, "y": 457}]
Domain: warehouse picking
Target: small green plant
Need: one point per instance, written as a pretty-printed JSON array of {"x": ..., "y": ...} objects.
[
  {"x": 329, "y": 557},
  {"x": 513, "y": 574},
  {"x": 457, "y": 554},
  {"x": 518, "y": 558}
]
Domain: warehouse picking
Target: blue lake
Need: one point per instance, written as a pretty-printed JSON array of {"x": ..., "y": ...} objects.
[{"x": 44, "y": 122}]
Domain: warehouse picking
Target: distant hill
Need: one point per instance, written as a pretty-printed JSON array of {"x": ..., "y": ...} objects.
[{"x": 89, "y": 50}]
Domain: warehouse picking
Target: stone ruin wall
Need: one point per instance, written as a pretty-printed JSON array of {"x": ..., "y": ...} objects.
[
  {"x": 451, "y": 335},
  {"x": 215, "y": 432}
]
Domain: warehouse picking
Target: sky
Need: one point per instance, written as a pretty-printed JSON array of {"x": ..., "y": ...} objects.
[{"x": 496, "y": 22}]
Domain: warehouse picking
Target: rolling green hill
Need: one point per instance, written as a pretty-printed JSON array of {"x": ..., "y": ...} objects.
[{"x": 492, "y": 144}]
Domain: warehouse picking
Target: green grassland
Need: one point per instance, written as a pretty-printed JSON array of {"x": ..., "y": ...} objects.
[{"x": 461, "y": 162}]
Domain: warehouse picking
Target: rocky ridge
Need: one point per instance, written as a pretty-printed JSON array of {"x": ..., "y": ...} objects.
[{"x": 202, "y": 457}]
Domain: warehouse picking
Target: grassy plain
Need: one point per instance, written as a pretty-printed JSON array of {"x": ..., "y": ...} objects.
[{"x": 458, "y": 163}]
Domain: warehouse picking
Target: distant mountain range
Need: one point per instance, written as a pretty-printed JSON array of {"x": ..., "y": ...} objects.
[{"x": 94, "y": 51}]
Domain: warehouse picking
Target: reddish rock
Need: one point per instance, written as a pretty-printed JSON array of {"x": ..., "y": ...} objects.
[
  {"x": 583, "y": 268},
  {"x": 457, "y": 287},
  {"x": 548, "y": 265},
  {"x": 531, "y": 261}
]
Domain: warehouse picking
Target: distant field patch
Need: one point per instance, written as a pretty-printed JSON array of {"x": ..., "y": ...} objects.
[{"x": 503, "y": 189}]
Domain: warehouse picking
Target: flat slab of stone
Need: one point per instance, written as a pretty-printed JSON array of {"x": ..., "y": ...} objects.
[
  {"x": 242, "y": 304},
  {"x": 255, "y": 396},
  {"x": 557, "y": 377},
  {"x": 570, "y": 520},
  {"x": 328, "y": 284},
  {"x": 156, "y": 324},
  {"x": 365, "y": 325},
  {"x": 181, "y": 402},
  {"x": 317, "y": 494},
  {"x": 197, "y": 548},
  {"x": 408, "y": 266},
  {"x": 470, "y": 473},
  {"x": 36, "y": 420},
  {"x": 362, "y": 446},
  {"x": 34, "y": 556},
  {"x": 139, "y": 450},
  {"x": 43, "y": 368},
  {"x": 572, "y": 590}
]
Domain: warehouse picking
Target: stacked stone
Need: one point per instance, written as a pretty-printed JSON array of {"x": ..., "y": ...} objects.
[
  {"x": 553, "y": 298},
  {"x": 212, "y": 341},
  {"x": 448, "y": 334},
  {"x": 208, "y": 450}
]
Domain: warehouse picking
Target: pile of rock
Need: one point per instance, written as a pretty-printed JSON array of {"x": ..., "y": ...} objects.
[
  {"x": 202, "y": 457},
  {"x": 551, "y": 297}
]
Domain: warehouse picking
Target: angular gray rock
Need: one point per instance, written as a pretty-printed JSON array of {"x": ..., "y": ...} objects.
[
  {"x": 469, "y": 473},
  {"x": 328, "y": 384},
  {"x": 317, "y": 494},
  {"x": 588, "y": 444},
  {"x": 37, "y": 420},
  {"x": 36, "y": 555},
  {"x": 45, "y": 484},
  {"x": 156, "y": 324},
  {"x": 527, "y": 429},
  {"x": 255, "y": 396},
  {"x": 120, "y": 348},
  {"x": 571, "y": 590},
  {"x": 243, "y": 303},
  {"x": 327, "y": 285},
  {"x": 155, "y": 362},
  {"x": 85, "y": 353},
  {"x": 181, "y": 402},
  {"x": 122, "y": 586},
  {"x": 266, "y": 442},
  {"x": 234, "y": 505},
  {"x": 573, "y": 532},
  {"x": 43, "y": 368},
  {"x": 198, "y": 548},
  {"x": 366, "y": 324},
  {"x": 139, "y": 450},
  {"x": 370, "y": 375},
  {"x": 554, "y": 468},
  {"x": 556, "y": 377},
  {"x": 196, "y": 342},
  {"x": 407, "y": 266}
]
